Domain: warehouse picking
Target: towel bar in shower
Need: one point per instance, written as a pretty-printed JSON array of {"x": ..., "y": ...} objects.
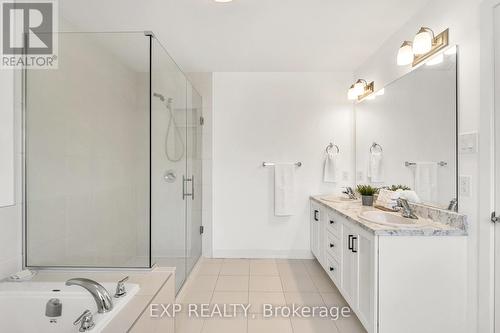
[
  {"x": 268, "y": 164},
  {"x": 440, "y": 163}
]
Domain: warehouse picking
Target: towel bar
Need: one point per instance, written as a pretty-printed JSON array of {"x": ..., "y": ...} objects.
[
  {"x": 440, "y": 163},
  {"x": 374, "y": 146},
  {"x": 331, "y": 146},
  {"x": 267, "y": 164}
]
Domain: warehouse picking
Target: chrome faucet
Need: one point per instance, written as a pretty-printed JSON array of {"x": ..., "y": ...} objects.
[
  {"x": 453, "y": 205},
  {"x": 100, "y": 294},
  {"x": 349, "y": 192},
  {"x": 406, "y": 210}
]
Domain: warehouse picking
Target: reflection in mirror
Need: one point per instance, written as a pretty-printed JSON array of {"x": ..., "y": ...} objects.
[{"x": 414, "y": 121}]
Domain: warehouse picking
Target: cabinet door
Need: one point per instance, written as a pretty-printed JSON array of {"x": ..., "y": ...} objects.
[
  {"x": 365, "y": 247},
  {"x": 315, "y": 231},
  {"x": 349, "y": 265}
]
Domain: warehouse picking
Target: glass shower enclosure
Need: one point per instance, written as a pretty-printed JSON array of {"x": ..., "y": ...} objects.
[{"x": 112, "y": 157}]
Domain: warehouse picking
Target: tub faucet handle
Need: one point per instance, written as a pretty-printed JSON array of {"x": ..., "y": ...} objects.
[
  {"x": 120, "y": 288},
  {"x": 86, "y": 321}
]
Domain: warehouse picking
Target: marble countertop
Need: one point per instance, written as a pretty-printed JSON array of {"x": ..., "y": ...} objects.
[{"x": 352, "y": 209}]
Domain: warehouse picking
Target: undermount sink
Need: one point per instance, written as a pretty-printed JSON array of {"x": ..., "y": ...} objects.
[
  {"x": 386, "y": 218},
  {"x": 338, "y": 199}
]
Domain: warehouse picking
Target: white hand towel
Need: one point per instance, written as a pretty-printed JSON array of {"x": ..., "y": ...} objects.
[
  {"x": 330, "y": 172},
  {"x": 375, "y": 167},
  {"x": 426, "y": 181},
  {"x": 284, "y": 189}
]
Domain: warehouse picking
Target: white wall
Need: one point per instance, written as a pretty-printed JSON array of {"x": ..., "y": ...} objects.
[
  {"x": 462, "y": 18},
  {"x": 11, "y": 216},
  {"x": 274, "y": 117}
]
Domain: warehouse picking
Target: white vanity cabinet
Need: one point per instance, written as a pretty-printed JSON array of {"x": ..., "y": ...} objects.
[
  {"x": 393, "y": 283},
  {"x": 317, "y": 226}
]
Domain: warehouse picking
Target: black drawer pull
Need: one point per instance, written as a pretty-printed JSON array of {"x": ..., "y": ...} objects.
[
  {"x": 316, "y": 215},
  {"x": 332, "y": 221},
  {"x": 332, "y": 245},
  {"x": 332, "y": 269}
]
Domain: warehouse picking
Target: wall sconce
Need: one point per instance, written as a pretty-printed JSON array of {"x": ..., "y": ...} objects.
[
  {"x": 425, "y": 45},
  {"x": 360, "y": 90}
]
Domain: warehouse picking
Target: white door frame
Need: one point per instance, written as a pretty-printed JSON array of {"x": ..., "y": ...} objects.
[{"x": 486, "y": 275}]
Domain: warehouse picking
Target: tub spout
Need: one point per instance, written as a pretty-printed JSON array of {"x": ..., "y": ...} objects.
[{"x": 100, "y": 294}]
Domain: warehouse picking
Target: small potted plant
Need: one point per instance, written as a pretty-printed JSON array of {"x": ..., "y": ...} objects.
[{"x": 367, "y": 192}]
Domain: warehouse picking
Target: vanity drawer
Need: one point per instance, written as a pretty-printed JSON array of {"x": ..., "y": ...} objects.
[
  {"x": 333, "y": 246},
  {"x": 333, "y": 270},
  {"x": 333, "y": 223}
]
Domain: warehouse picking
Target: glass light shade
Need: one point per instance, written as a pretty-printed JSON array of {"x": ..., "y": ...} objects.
[
  {"x": 359, "y": 88},
  {"x": 351, "y": 94},
  {"x": 405, "y": 54},
  {"x": 435, "y": 60},
  {"x": 422, "y": 43}
]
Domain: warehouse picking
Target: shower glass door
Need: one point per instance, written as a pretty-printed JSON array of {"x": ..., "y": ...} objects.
[
  {"x": 168, "y": 163},
  {"x": 194, "y": 169},
  {"x": 86, "y": 155}
]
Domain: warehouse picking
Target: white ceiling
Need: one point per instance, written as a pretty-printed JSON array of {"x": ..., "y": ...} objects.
[{"x": 253, "y": 35}]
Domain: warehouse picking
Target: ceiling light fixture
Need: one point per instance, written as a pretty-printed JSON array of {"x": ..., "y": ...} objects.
[{"x": 425, "y": 45}]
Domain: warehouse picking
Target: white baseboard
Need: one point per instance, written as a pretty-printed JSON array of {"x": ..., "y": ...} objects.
[{"x": 264, "y": 254}]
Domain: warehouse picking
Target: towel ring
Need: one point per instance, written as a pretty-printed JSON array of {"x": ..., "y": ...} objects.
[
  {"x": 330, "y": 147},
  {"x": 375, "y": 145}
]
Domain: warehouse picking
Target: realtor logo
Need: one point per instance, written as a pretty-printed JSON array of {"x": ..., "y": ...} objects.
[{"x": 28, "y": 38}]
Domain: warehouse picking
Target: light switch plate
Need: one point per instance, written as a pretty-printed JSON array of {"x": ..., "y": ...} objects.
[
  {"x": 468, "y": 143},
  {"x": 464, "y": 186}
]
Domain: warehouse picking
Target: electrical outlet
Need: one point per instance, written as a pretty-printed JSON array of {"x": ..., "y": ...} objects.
[
  {"x": 468, "y": 143},
  {"x": 464, "y": 186}
]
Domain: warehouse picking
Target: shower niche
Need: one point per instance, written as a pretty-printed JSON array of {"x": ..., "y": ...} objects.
[{"x": 112, "y": 162}]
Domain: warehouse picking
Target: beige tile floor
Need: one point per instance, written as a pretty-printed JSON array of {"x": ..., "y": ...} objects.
[{"x": 257, "y": 282}]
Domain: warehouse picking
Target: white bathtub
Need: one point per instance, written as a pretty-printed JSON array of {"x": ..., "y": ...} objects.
[{"x": 22, "y": 306}]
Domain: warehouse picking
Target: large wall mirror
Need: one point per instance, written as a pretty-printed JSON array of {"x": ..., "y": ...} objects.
[{"x": 408, "y": 135}]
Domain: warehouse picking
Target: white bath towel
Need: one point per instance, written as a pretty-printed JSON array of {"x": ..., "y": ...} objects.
[
  {"x": 426, "y": 181},
  {"x": 330, "y": 172},
  {"x": 375, "y": 172},
  {"x": 284, "y": 189}
]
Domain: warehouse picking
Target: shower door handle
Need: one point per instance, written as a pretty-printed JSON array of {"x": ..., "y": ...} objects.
[
  {"x": 192, "y": 187},
  {"x": 184, "y": 181}
]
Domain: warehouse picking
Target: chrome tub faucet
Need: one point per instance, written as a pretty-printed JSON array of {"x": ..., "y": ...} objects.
[{"x": 100, "y": 294}]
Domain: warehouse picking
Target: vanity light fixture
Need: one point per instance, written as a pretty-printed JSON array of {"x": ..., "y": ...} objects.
[
  {"x": 360, "y": 90},
  {"x": 351, "y": 94},
  {"x": 425, "y": 45},
  {"x": 405, "y": 54},
  {"x": 422, "y": 43}
]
